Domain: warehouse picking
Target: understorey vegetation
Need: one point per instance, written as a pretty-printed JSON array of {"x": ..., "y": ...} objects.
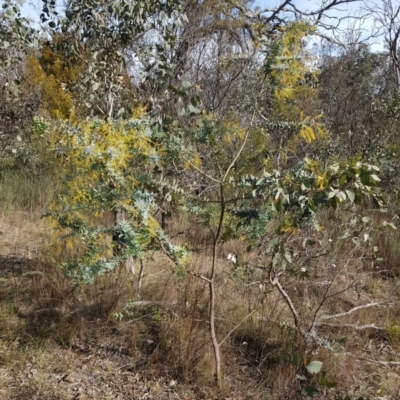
[{"x": 198, "y": 199}]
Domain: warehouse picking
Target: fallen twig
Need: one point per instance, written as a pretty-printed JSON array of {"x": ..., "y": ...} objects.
[
  {"x": 353, "y": 310},
  {"x": 352, "y": 326},
  {"x": 379, "y": 362}
]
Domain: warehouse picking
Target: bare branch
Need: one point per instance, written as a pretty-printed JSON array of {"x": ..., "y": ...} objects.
[
  {"x": 385, "y": 363},
  {"x": 351, "y": 326},
  {"x": 275, "y": 282},
  {"x": 353, "y": 310},
  {"x": 326, "y": 296},
  {"x": 202, "y": 172}
]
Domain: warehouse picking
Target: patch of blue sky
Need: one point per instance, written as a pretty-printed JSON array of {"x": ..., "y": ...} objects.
[{"x": 348, "y": 17}]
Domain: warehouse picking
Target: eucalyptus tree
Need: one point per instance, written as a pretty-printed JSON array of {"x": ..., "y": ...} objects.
[
  {"x": 100, "y": 34},
  {"x": 353, "y": 81},
  {"x": 386, "y": 18},
  {"x": 211, "y": 40},
  {"x": 17, "y": 105}
]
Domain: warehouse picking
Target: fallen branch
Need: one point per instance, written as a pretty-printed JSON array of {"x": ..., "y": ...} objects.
[
  {"x": 146, "y": 303},
  {"x": 352, "y": 326},
  {"x": 353, "y": 310},
  {"x": 379, "y": 362}
]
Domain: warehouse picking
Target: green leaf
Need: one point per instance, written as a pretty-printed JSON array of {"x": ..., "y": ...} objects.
[
  {"x": 314, "y": 367},
  {"x": 186, "y": 84},
  {"x": 275, "y": 259},
  {"x": 296, "y": 359},
  {"x": 333, "y": 194},
  {"x": 309, "y": 391},
  {"x": 330, "y": 385},
  {"x": 389, "y": 224},
  {"x": 341, "y": 196},
  {"x": 325, "y": 382},
  {"x": 350, "y": 194},
  {"x": 279, "y": 205},
  {"x": 288, "y": 256},
  {"x": 375, "y": 178},
  {"x": 284, "y": 356},
  {"x": 358, "y": 197},
  {"x": 365, "y": 178},
  {"x": 193, "y": 109}
]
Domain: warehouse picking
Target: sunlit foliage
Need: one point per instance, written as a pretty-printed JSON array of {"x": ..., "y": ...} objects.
[
  {"x": 289, "y": 68},
  {"x": 56, "y": 101},
  {"x": 106, "y": 166}
]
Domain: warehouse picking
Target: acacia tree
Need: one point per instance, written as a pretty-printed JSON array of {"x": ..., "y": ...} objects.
[
  {"x": 101, "y": 155},
  {"x": 101, "y": 173}
]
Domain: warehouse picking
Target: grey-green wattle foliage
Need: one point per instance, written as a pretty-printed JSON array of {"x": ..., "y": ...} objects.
[
  {"x": 284, "y": 202},
  {"x": 134, "y": 239},
  {"x": 108, "y": 167},
  {"x": 106, "y": 35}
]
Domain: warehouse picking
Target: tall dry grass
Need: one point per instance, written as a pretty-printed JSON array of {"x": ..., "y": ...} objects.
[{"x": 164, "y": 329}]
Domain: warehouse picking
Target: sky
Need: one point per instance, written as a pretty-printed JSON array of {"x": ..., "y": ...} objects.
[{"x": 32, "y": 9}]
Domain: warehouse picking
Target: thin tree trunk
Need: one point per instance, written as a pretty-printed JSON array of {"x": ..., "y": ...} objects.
[
  {"x": 217, "y": 355},
  {"x": 140, "y": 279},
  {"x": 119, "y": 216},
  {"x": 163, "y": 213}
]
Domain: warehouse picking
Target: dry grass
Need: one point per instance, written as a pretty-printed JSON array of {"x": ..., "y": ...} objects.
[{"x": 58, "y": 340}]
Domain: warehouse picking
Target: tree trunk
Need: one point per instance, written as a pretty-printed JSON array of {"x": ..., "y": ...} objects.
[{"x": 119, "y": 216}]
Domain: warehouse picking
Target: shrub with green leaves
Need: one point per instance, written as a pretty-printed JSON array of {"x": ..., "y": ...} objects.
[{"x": 105, "y": 167}]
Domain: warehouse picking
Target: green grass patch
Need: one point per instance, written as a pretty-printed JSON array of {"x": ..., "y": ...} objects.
[{"x": 22, "y": 191}]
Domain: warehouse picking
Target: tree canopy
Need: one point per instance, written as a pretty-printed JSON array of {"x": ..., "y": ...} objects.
[{"x": 218, "y": 111}]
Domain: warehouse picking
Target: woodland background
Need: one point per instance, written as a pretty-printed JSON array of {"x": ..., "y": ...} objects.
[{"x": 199, "y": 199}]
